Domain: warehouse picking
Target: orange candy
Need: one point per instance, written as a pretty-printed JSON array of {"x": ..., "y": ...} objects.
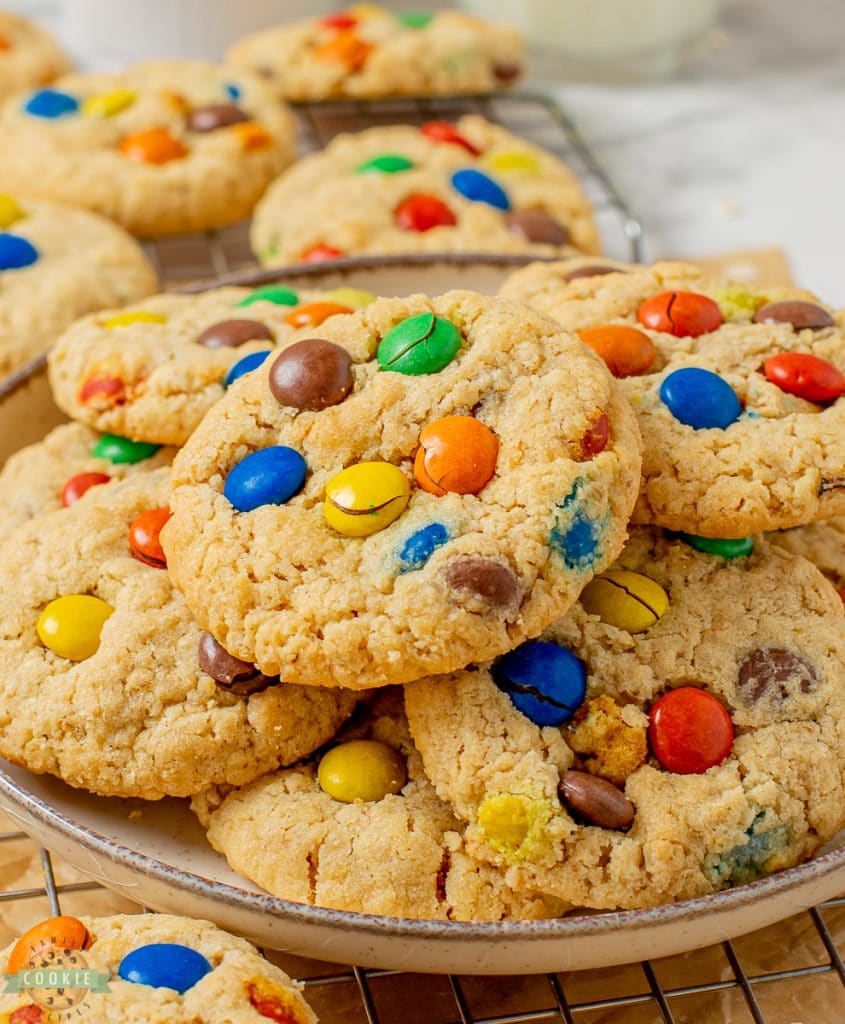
[
  {"x": 154, "y": 146},
  {"x": 252, "y": 136},
  {"x": 627, "y": 351},
  {"x": 64, "y": 932},
  {"x": 320, "y": 252},
  {"x": 345, "y": 47},
  {"x": 145, "y": 539},
  {"x": 312, "y": 314},
  {"x": 456, "y": 453}
]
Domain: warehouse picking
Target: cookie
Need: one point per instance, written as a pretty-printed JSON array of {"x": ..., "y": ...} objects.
[
  {"x": 425, "y": 480},
  {"x": 362, "y": 829},
  {"x": 823, "y": 544},
  {"x": 56, "y": 472},
  {"x": 148, "y": 968},
  {"x": 152, "y": 371},
  {"x": 467, "y": 187},
  {"x": 56, "y": 264},
  {"x": 739, "y": 391},
  {"x": 28, "y": 55},
  {"x": 162, "y": 147},
  {"x": 679, "y": 731},
  {"x": 367, "y": 52},
  {"x": 107, "y": 682}
]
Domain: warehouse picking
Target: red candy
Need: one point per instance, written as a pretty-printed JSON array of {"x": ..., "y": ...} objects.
[
  {"x": 684, "y": 314},
  {"x": 422, "y": 212},
  {"x": 841, "y": 593},
  {"x": 690, "y": 731},
  {"x": 279, "y": 1008},
  {"x": 443, "y": 131},
  {"x": 110, "y": 390},
  {"x": 27, "y": 1015},
  {"x": 339, "y": 20},
  {"x": 806, "y": 376},
  {"x": 596, "y": 437},
  {"x": 77, "y": 485},
  {"x": 318, "y": 253},
  {"x": 144, "y": 537}
]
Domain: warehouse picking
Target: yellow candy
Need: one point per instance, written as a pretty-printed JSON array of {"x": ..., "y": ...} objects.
[
  {"x": 71, "y": 625},
  {"x": 364, "y": 11},
  {"x": 513, "y": 160},
  {"x": 361, "y": 770},
  {"x": 354, "y": 297},
  {"x": 9, "y": 211},
  {"x": 107, "y": 104},
  {"x": 737, "y": 303},
  {"x": 138, "y": 317},
  {"x": 627, "y": 600},
  {"x": 365, "y": 498},
  {"x": 514, "y": 824}
]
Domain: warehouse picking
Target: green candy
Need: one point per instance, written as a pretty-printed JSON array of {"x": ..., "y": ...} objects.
[
  {"x": 414, "y": 19},
  {"x": 421, "y": 344},
  {"x": 387, "y": 163},
  {"x": 275, "y": 293},
  {"x": 121, "y": 449},
  {"x": 726, "y": 547}
]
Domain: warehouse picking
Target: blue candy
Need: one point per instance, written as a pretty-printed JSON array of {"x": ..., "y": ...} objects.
[
  {"x": 232, "y": 91},
  {"x": 480, "y": 188},
  {"x": 245, "y": 365},
  {"x": 16, "y": 252},
  {"x": 51, "y": 103},
  {"x": 700, "y": 398},
  {"x": 420, "y": 546},
  {"x": 546, "y": 683},
  {"x": 164, "y": 965},
  {"x": 270, "y": 476},
  {"x": 747, "y": 862},
  {"x": 576, "y": 537}
]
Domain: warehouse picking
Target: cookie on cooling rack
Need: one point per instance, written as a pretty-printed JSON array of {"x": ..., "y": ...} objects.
[
  {"x": 679, "y": 731},
  {"x": 423, "y": 481},
  {"x": 367, "y": 52},
  {"x": 105, "y": 679},
  {"x": 28, "y": 55},
  {"x": 823, "y": 544},
  {"x": 362, "y": 829},
  {"x": 148, "y": 967},
  {"x": 56, "y": 264},
  {"x": 739, "y": 391},
  {"x": 471, "y": 186},
  {"x": 153, "y": 370},
  {"x": 161, "y": 147}
]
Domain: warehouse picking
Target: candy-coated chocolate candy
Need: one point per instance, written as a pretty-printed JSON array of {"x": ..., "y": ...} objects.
[
  {"x": 145, "y": 537},
  {"x": 10, "y": 211},
  {"x": 592, "y": 270},
  {"x": 626, "y": 600},
  {"x": 270, "y": 476},
  {"x": 311, "y": 374},
  {"x": 51, "y": 103},
  {"x": 63, "y": 932},
  {"x": 233, "y": 333},
  {"x": 339, "y": 20},
  {"x": 595, "y": 438},
  {"x": 387, "y": 163},
  {"x": 106, "y": 390},
  {"x": 320, "y": 253},
  {"x": 479, "y": 187},
  {"x": 229, "y": 672},
  {"x": 547, "y": 683},
  {"x": 275, "y": 293},
  {"x": 138, "y": 316},
  {"x": 164, "y": 965},
  {"x": 122, "y": 450},
  {"x": 806, "y": 376},
  {"x": 700, "y": 398},
  {"x": 245, "y": 365},
  {"x": 507, "y": 820},
  {"x": 484, "y": 577},
  {"x": 690, "y": 731},
  {"x": 415, "y": 19},
  {"x": 365, "y": 498},
  {"x": 357, "y": 298},
  {"x": 841, "y": 593},
  {"x": 421, "y": 344},
  {"x": 683, "y": 314},
  {"x": 16, "y": 252},
  {"x": 420, "y": 546},
  {"x": 597, "y": 801},
  {"x": 77, "y": 485},
  {"x": 626, "y": 350},
  {"x": 456, "y": 453},
  {"x": 232, "y": 91},
  {"x": 107, "y": 104},
  {"x": 422, "y": 212},
  {"x": 363, "y": 11},
  {"x": 725, "y": 547},
  {"x": 214, "y": 116},
  {"x": 513, "y": 160},
  {"x": 70, "y": 626},
  {"x": 5, "y": 42},
  {"x": 506, "y": 70},
  {"x": 251, "y": 136},
  {"x": 773, "y": 674},
  {"x": 361, "y": 770},
  {"x": 536, "y": 226},
  {"x": 443, "y": 131},
  {"x": 153, "y": 146},
  {"x": 802, "y": 315},
  {"x": 312, "y": 314},
  {"x": 345, "y": 47}
]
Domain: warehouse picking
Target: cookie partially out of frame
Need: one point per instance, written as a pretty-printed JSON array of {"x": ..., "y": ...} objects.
[{"x": 29, "y": 56}]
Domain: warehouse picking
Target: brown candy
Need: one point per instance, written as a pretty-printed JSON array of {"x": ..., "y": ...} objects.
[
  {"x": 217, "y": 115},
  {"x": 229, "y": 672},
  {"x": 597, "y": 801},
  {"x": 311, "y": 374},
  {"x": 793, "y": 311},
  {"x": 775, "y": 673},
  {"x": 507, "y": 70},
  {"x": 536, "y": 226},
  {"x": 232, "y": 333},
  {"x": 591, "y": 270},
  {"x": 490, "y": 580}
]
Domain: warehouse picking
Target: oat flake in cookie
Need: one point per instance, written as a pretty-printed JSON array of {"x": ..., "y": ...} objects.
[{"x": 401, "y": 490}]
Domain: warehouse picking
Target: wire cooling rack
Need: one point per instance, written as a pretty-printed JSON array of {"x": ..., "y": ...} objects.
[{"x": 533, "y": 116}]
